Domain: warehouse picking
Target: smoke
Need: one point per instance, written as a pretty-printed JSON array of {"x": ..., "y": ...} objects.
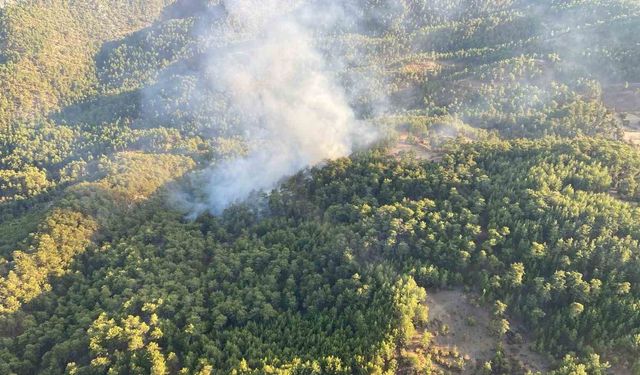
[
  {"x": 293, "y": 78},
  {"x": 291, "y": 109}
]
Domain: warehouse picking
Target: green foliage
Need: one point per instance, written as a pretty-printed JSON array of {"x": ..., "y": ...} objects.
[
  {"x": 70, "y": 228},
  {"x": 48, "y": 50},
  {"x": 533, "y": 205}
]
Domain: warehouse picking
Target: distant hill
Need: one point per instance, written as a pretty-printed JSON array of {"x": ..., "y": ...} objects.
[{"x": 319, "y": 187}]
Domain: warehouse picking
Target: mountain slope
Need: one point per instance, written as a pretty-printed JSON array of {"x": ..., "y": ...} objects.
[{"x": 113, "y": 117}]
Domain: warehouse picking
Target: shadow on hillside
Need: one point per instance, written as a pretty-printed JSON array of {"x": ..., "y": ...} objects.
[
  {"x": 100, "y": 109},
  {"x": 190, "y": 8},
  {"x": 116, "y": 217},
  {"x": 140, "y": 72},
  {"x": 41, "y": 315}
]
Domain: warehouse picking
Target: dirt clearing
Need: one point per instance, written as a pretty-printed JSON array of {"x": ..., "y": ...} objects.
[
  {"x": 632, "y": 130},
  {"x": 461, "y": 337},
  {"x": 625, "y": 99},
  {"x": 410, "y": 145}
]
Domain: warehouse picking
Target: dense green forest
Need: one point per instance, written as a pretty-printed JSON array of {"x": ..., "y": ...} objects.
[{"x": 505, "y": 167}]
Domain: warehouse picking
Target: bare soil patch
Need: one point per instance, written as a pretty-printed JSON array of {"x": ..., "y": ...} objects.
[
  {"x": 407, "y": 145},
  {"x": 462, "y": 338},
  {"x": 419, "y": 67},
  {"x": 632, "y": 131},
  {"x": 625, "y": 99},
  {"x": 622, "y": 98}
]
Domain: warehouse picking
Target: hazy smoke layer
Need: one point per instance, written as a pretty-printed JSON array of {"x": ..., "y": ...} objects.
[{"x": 292, "y": 111}]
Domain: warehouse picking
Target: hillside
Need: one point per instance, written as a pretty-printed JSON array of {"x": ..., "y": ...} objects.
[{"x": 319, "y": 187}]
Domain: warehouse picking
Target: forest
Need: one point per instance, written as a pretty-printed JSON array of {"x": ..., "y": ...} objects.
[{"x": 292, "y": 186}]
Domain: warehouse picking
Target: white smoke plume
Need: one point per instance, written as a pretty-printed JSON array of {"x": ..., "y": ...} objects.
[{"x": 293, "y": 112}]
